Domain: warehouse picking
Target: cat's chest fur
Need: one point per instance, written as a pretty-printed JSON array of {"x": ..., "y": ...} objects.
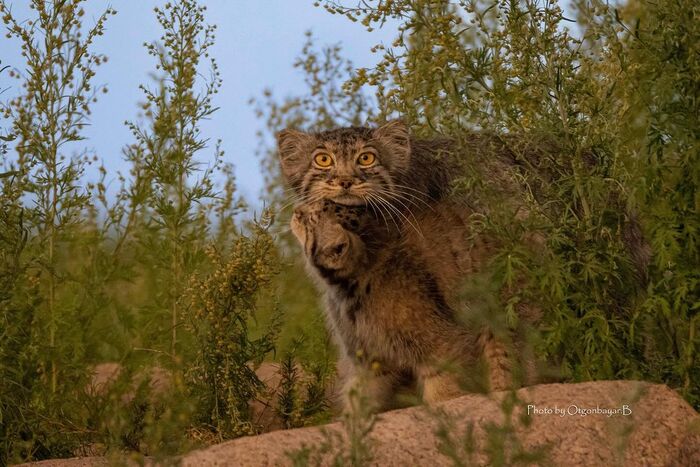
[
  {"x": 391, "y": 313},
  {"x": 366, "y": 328}
]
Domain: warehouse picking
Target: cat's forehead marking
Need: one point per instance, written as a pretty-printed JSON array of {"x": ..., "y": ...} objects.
[
  {"x": 345, "y": 140},
  {"x": 346, "y": 135},
  {"x": 341, "y": 150}
]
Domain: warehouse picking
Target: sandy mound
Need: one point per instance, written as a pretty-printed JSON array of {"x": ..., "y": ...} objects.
[{"x": 598, "y": 423}]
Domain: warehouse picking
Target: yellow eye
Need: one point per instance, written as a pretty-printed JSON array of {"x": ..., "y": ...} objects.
[
  {"x": 366, "y": 159},
  {"x": 323, "y": 160}
]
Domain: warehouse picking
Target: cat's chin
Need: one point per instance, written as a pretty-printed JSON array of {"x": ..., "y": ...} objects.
[{"x": 348, "y": 200}]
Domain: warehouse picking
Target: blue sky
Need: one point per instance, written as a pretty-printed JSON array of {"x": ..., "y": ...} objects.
[{"x": 257, "y": 41}]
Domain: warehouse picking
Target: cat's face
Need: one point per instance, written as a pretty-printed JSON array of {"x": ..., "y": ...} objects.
[
  {"x": 328, "y": 233},
  {"x": 350, "y": 166}
]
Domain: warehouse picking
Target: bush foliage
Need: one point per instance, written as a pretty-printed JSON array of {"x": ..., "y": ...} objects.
[
  {"x": 156, "y": 275},
  {"x": 597, "y": 104}
]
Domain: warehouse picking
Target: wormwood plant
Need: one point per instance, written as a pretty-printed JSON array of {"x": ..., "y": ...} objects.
[
  {"x": 43, "y": 203},
  {"x": 223, "y": 375},
  {"x": 303, "y": 397},
  {"x": 350, "y": 446},
  {"x": 90, "y": 277},
  {"x": 47, "y": 117},
  {"x": 200, "y": 331},
  {"x": 165, "y": 157}
]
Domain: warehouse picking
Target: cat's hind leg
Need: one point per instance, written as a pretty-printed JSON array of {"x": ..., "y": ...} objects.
[
  {"x": 437, "y": 385},
  {"x": 370, "y": 390},
  {"x": 498, "y": 361}
]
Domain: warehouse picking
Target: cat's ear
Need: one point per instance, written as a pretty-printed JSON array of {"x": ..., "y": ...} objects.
[
  {"x": 395, "y": 137},
  {"x": 291, "y": 148}
]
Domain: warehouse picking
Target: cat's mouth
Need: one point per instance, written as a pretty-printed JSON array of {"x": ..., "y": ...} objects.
[{"x": 348, "y": 200}]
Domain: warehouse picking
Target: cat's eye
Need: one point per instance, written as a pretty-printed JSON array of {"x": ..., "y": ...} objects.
[
  {"x": 323, "y": 160},
  {"x": 366, "y": 159}
]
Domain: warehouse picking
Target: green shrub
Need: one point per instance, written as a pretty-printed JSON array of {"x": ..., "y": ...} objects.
[
  {"x": 90, "y": 276},
  {"x": 223, "y": 374}
]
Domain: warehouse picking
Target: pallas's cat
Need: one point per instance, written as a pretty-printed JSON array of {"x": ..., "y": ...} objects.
[{"x": 389, "y": 250}]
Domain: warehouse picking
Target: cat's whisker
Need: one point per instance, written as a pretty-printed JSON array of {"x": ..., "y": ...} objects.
[
  {"x": 369, "y": 204},
  {"x": 414, "y": 197},
  {"x": 395, "y": 192},
  {"x": 392, "y": 211},
  {"x": 394, "y": 196},
  {"x": 300, "y": 198},
  {"x": 379, "y": 205},
  {"x": 291, "y": 203},
  {"x": 384, "y": 212},
  {"x": 410, "y": 188},
  {"x": 293, "y": 199},
  {"x": 398, "y": 197},
  {"x": 293, "y": 194},
  {"x": 372, "y": 205},
  {"x": 288, "y": 204},
  {"x": 398, "y": 211},
  {"x": 308, "y": 198},
  {"x": 401, "y": 189}
]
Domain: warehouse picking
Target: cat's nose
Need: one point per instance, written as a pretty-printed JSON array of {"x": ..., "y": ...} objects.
[
  {"x": 345, "y": 183},
  {"x": 340, "y": 248},
  {"x": 337, "y": 249}
]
